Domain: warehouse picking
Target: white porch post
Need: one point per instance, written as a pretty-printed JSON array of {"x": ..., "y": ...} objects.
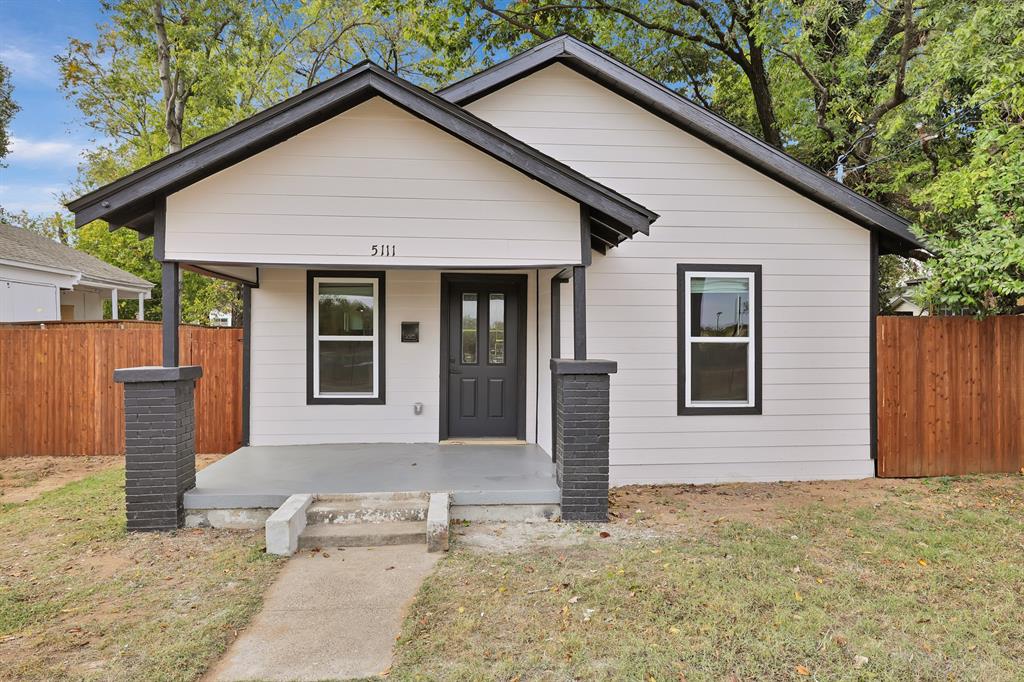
[
  {"x": 113, "y": 303},
  {"x": 140, "y": 315}
]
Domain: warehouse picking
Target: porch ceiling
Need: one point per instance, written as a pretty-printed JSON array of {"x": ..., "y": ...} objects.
[{"x": 265, "y": 476}]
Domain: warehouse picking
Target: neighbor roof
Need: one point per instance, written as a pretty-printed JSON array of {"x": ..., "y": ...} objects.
[
  {"x": 893, "y": 230},
  {"x": 19, "y": 245},
  {"x": 132, "y": 200}
]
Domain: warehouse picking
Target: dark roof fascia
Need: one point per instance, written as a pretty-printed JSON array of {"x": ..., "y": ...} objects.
[
  {"x": 702, "y": 123},
  {"x": 128, "y": 200}
]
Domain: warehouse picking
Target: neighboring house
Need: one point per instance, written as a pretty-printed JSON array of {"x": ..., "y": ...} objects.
[
  {"x": 904, "y": 303},
  {"x": 43, "y": 280},
  {"x": 220, "y": 318},
  {"x": 416, "y": 260}
]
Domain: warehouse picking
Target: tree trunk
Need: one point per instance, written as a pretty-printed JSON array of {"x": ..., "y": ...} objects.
[
  {"x": 758, "y": 77},
  {"x": 174, "y": 103}
]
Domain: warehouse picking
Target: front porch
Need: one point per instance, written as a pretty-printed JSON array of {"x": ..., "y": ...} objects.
[{"x": 477, "y": 474}]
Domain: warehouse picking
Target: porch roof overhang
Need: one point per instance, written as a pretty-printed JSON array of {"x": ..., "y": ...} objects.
[
  {"x": 893, "y": 231},
  {"x": 135, "y": 200}
]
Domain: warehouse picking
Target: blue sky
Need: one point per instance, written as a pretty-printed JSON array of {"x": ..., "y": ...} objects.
[{"x": 48, "y": 132}]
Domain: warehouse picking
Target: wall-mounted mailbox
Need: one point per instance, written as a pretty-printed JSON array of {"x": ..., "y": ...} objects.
[{"x": 410, "y": 332}]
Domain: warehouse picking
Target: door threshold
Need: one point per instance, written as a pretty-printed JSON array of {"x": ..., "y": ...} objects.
[{"x": 482, "y": 441}]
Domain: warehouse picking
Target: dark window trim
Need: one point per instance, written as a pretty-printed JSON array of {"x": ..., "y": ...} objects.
[
  {"x": 681, "y": 303},
  {"x": 521, "y": 282},
  {"x": 379, "y": 399}
]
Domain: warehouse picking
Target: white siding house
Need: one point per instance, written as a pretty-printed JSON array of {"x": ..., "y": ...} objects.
[
  {"x": 714, "y": 209},
  {"x": 42, "y": 280},
  {"x": 425, "y": 268}
]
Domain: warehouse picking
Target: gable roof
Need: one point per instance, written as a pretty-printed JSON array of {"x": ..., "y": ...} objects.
[
  {"x": 133, "y": 199},
  {"x": 19, "y": 245},
  {"x": 892, "y": 229}
]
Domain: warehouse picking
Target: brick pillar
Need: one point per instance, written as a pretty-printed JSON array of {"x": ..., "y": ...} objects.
[
  {"x": 581, "y": 436},
  {"x": 160, "y": 451}
]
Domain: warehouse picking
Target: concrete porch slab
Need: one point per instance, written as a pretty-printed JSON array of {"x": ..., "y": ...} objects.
[{"x": 476, "y": 474}]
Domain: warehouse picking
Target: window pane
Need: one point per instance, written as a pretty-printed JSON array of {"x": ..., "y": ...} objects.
[
  {"x": 496, "y": 330},
  {"x": 346, "y": 309},
  {"x": 718, "y": 371},
  {"x": 469, "y": 329},
  {"x": 346, "y": 367},
  {"x": 719, "y": 306}
]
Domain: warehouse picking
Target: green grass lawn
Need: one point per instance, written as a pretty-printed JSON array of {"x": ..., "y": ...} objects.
[
  {"x": 910, "y": 581},
  {"x": 82, "y": 599}
]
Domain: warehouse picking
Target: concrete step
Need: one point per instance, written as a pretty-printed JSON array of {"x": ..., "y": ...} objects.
[
  {"x": 327, "y": 535},
  {"x": 375, "y": 508}
]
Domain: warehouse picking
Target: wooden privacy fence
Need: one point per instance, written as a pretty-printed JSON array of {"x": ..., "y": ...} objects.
[
  {"x": 58, "y": 396},
  {"x": 950, "y": 395}
]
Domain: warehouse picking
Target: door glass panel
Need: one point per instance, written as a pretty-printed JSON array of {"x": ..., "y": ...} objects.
[
  {"x": 496, "y": 330},
  {"x": 720, "y": 306},
  {"x": 718, "y": 371},
  {"x": 345, "y": 309},
  {"x": 469, "y": 328},
  {"x": 346, "y": 367}
]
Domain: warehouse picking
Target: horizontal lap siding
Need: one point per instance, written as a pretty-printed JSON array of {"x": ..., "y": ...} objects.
[
  {"x": 280, "y": 415},
  {"x": 713, "y": 209},
  {"x": 372, "y": 175}
]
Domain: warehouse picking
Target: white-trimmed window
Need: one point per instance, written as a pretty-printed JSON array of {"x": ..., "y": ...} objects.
[
  {"x": 719, "y": 339},
  {"x": 345, "y": 359}
]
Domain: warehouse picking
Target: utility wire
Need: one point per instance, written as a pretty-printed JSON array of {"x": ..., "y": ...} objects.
[{"x": 945, "y": 125}]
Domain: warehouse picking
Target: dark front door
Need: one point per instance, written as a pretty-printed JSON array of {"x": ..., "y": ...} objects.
[{"x": 484, "y": 334}]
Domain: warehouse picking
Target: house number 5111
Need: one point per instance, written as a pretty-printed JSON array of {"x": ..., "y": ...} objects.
[{"x": 382, "y": 250}]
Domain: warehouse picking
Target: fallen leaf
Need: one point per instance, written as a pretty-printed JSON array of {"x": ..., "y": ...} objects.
[
  {"x": 922, "y": 562},
  {"x": 673, "y": 630},
  {"x": 796, "y": 595},
  {"x": 800, "y": 670},
  {"x": 573, "y": 600},
  {"x": 462, "y": 609},
  {"x": 859, "y": 662}
]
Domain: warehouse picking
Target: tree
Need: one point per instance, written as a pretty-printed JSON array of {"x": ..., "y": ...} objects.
[
  {"x": 973, "y": 211},
  {"x": 165, "y": 73},
  {"x": 8, "y": 108}
]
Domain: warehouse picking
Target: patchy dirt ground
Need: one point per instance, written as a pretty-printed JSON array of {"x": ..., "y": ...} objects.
[
  {"x": 82, "y": 599},
  {"x": 876, "y": 579},
  {"x": 25, "y": 478},
  {"x": 672, "y": 508}
]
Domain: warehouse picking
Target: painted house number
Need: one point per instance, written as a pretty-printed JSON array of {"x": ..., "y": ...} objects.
[{"x": 382, "y": 250}]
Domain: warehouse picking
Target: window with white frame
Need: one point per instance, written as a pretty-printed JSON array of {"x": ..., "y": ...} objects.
[
  {"x": 346, "y": 339},
  {"x": 719, "y": 339}
]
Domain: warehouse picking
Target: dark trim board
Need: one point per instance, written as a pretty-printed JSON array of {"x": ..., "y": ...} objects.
[
  {"x": 520, "y": 282},
  {"x": 873, "y": 352},
  {"x": 246, "y": 360},
  {"x": 653, "y": 96},
  {"x": 681, "y": 303},
  {"x": 170, "y": 312},
  {"x": 380, "y": 398}
]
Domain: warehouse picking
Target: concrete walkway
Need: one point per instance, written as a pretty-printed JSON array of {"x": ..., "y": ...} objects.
[{"x": 329, "y": 618}]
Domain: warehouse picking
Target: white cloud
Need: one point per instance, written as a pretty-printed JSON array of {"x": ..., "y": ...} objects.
[
  {"x": 23, "y": 149},
  {"x": 28, "y": 65},
  {"x": 31, "y": 198}
]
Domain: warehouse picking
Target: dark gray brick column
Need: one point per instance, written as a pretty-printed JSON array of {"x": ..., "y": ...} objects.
[
  {"x": 581, "y": 436},
  {"x": 160, "y": 450}
]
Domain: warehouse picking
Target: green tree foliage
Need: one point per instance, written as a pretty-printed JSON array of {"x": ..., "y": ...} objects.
[
  {"x": 8, "y": 108},
  {"x": 972, "y": 212},
  {"x": 165, "y": 73},
  {"x": 915, "y": 104}
]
